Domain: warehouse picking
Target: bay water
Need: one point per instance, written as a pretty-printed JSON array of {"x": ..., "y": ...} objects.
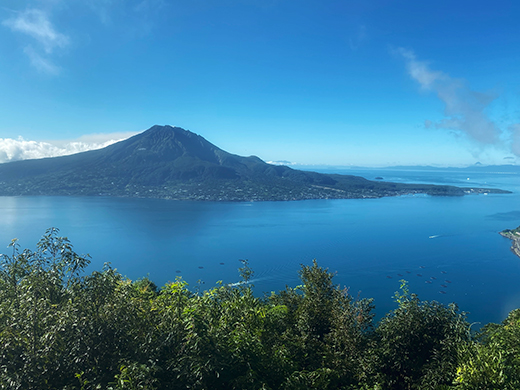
[{"x": 447, "y": 248}]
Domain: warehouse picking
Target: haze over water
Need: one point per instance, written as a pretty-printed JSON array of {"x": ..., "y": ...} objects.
[{"x": 450, "y": 241}]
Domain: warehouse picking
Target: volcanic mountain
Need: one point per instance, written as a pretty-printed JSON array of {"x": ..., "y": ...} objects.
[{"x": 173, "y": 163}]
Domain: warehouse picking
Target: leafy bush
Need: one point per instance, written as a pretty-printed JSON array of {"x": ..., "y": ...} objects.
[
  {"x": 61, "y": 329},
  {"x": 417, "y": 343}
]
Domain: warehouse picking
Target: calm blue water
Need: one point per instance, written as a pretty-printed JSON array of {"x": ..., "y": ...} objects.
[{"x": 367, "y": 242}]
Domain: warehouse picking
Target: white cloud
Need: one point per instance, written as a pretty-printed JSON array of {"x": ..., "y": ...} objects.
[
  {"x": 419, "y": 70},
  {"x": 44, "y": 40},
  {"x": 43, "y": 65},
  {"x": 465, "y": 109},
  {"x": 515, "y": 139},
  {"x": 36, "y": 24},
  {"x": 21, "y": 149},
  {"x": 281, "y": 162}
]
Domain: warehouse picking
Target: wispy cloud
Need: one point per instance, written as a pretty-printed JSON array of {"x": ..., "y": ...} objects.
[
  {"x": 36, "y": 24},
  {"x": 420, "y": 71},
  {"x": 43, "y": 64},
  {"x": 515, "y": 139},
  {"x": 43, "y": 40},
  {"x": 21, "y": 149},
  {"x": 464, "y": 108},
  {"x": 101, "y": 8},
  {"x": 359, "y": 38},
  {"x": 135, "y": 12}
]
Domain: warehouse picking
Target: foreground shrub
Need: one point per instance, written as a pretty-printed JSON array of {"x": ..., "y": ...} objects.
[
  {"x": 61, "y": 329},
  {"x": 418, "y": 343},
  {"x": 492, "y": 361}
]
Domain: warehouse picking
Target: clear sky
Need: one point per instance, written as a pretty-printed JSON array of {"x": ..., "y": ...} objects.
[{"x": 347, "y": 82}]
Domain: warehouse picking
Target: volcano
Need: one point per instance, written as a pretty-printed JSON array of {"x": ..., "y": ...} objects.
[{"x": 173, "y": 163}]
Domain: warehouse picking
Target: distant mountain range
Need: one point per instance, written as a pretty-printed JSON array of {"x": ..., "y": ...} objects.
[{"x": 173, "y": 163}]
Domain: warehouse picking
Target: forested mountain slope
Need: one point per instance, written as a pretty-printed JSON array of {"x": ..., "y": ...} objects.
[{"x": 173, "y": 163}]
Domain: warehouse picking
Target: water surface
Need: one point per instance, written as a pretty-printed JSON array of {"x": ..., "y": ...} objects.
[{"x": 370, "y": 243}]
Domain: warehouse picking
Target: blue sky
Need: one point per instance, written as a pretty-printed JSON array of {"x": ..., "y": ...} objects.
[{"x": 369, "y": 83}]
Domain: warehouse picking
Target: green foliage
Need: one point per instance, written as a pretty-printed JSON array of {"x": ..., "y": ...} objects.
[
  {"x": 325, "y": 332},
  {"x": 418, "y": 343},
  {"x": 60, "y": 329},
  {"x": 492, "y": 361},
  {"x": 134, "y": 376},
  {"x": 35, "y": 291}
]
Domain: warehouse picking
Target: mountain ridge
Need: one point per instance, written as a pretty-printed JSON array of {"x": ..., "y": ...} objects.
[{"x": 173, "y": 163}]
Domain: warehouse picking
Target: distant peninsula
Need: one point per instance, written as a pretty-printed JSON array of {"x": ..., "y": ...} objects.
[
  {"x": 514, "y": 236},
  {"x": 168, "y": 162}
]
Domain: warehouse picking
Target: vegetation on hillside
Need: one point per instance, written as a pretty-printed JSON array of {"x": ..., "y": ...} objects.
[
  {"x": 63, "y": 329},
  {"x": 167, "y": 162},
  {"x": 511, "y": 231}
]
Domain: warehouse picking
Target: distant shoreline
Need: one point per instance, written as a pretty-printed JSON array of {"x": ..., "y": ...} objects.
[
  {"x": 166, "y": 162},
  {"x": 514, "y": 236}
]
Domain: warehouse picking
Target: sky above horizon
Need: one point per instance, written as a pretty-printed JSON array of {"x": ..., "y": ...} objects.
[{"x": 366, "y": 83}]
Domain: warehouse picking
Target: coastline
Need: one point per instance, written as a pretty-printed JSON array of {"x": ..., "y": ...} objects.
[{"x": 515, "y": 238}]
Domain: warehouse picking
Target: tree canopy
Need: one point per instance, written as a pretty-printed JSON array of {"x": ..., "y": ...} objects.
[{"x": 61, "y": 328}]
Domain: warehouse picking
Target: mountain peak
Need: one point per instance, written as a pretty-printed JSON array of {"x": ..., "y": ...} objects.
[
  {"x": 167, "y": 129},
  {"x": 163, "y": 143},
  {"x": 173, "y": 163},
  {"x": 166, "y": 132}
]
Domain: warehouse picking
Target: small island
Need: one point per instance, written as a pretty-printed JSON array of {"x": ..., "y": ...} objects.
[{"x": 513, "y": 235}]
